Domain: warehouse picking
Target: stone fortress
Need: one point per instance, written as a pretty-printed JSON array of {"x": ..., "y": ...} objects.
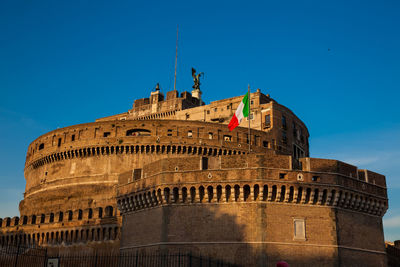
[{"x": 169, "y": 175}]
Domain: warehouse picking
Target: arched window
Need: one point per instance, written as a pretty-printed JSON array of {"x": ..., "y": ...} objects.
[
  {"x": 61, "y": 217},
  {"x": 246, "y": 192},
  {"x": 42, "y": 218},
  {"x": 176, "y": 194},
  {"x": 33, "y": 219},
  {"x": 51, "y": 219},
  {"x": 237, "y": 192},
  {"x": 201, "y": 193}
]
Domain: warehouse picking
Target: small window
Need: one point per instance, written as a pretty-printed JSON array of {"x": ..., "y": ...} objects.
[
  {"x": 187, "y": 116},
  {"x": 41, "y": 146},
  {"x": 73, "y": 138},
  {"x": 265, "y": 143},
  {"x": 59, "y": 142},
  {"x": 42, "y": 218},
  {"x": 169, "y": 132},
  {"x": 190, "y": 134},
  {"x": 70, "y": 215},
  {"x": 315, "y": 178},
  {"x": 137, "y": 174},
  {"x": 204, "y": 163},
  {"x": 90, "y": 214},
  {"x": 282, "y": 175},
  {"x": 61, "y": 217},
  {"x": 284, "y": 122},
  {"x": 210, "y": 135},
  {"x": 208, "y": 112},
  {"x": 80, "y": 215},
  {"x": 51, "y": 217},
  {"x": 251, "y": 102},
  {"x": 267, "y": 123},
  {"x": 299, "y": 229},
  {"x": 215, "y": 109},
  {"x": 106, "y": 134},
  {"x": 227, "y": 138}
]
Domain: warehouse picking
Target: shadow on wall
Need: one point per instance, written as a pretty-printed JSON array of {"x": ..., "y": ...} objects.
[{"x": 232, "y": 233}]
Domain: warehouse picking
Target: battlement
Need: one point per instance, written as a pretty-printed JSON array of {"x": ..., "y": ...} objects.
[{"x": 258, "y": 168}]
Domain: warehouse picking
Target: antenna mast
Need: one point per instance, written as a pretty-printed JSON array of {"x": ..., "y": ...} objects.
[{"x": 176, "y": 56}]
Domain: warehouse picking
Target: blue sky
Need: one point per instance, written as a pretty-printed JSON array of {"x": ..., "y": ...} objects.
[{"x": 335, "y": 64}]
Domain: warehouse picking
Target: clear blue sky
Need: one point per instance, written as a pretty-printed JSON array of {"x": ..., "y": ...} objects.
[{"x": 336, "y": 64}]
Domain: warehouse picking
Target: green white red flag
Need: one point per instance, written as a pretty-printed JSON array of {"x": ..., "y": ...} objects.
[{"x": 241, "y": 112}]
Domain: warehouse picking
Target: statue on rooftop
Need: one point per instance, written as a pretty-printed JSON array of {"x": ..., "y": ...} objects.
[{"x": 196, "y": 79}]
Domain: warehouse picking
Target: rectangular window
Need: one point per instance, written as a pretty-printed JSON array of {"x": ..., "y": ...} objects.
[
  {"x": 204, "y": 163},
  {"x": 169, "y": 132},
  {"x": 267, "y": 123},
  {"x": 299, "y": 229},
  {"x": 284, "y": 126},
  {"x": 59, "y": 142},
  {"x": 265, "y": 143},
  {"x": 106, "y": 134},
  {"x": 137, "y": 174},
  {"x": 210, "y": 135},
  {"x": 190, "y": 134},
  {"x": 73, "y": 138}
]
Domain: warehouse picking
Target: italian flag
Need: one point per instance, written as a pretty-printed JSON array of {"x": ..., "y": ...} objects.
[{"x": 241, "y": 112}]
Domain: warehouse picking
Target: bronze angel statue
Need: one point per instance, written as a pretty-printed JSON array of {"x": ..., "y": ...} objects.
[{"x": 196, "y": 79}]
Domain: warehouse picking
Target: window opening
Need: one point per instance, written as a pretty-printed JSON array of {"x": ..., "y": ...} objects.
[
  {"x": 204, "y": 163},
  {"x": 137, "y": 174},
  {"x": 284, "y": 126}
]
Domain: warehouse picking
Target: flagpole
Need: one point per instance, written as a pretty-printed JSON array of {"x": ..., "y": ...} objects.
[
  {"x": 248, "y": 91},
  {"x": 176, "y": 55}
]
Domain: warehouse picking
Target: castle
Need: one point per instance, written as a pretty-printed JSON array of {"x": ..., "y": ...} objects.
[{"x": 169, "y": 175}]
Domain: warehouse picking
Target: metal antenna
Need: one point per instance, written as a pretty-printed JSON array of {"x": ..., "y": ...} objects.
[{"x": 176, "y": 55}]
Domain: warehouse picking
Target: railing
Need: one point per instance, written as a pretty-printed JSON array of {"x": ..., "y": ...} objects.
[{"x": 19, "y": 256}]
